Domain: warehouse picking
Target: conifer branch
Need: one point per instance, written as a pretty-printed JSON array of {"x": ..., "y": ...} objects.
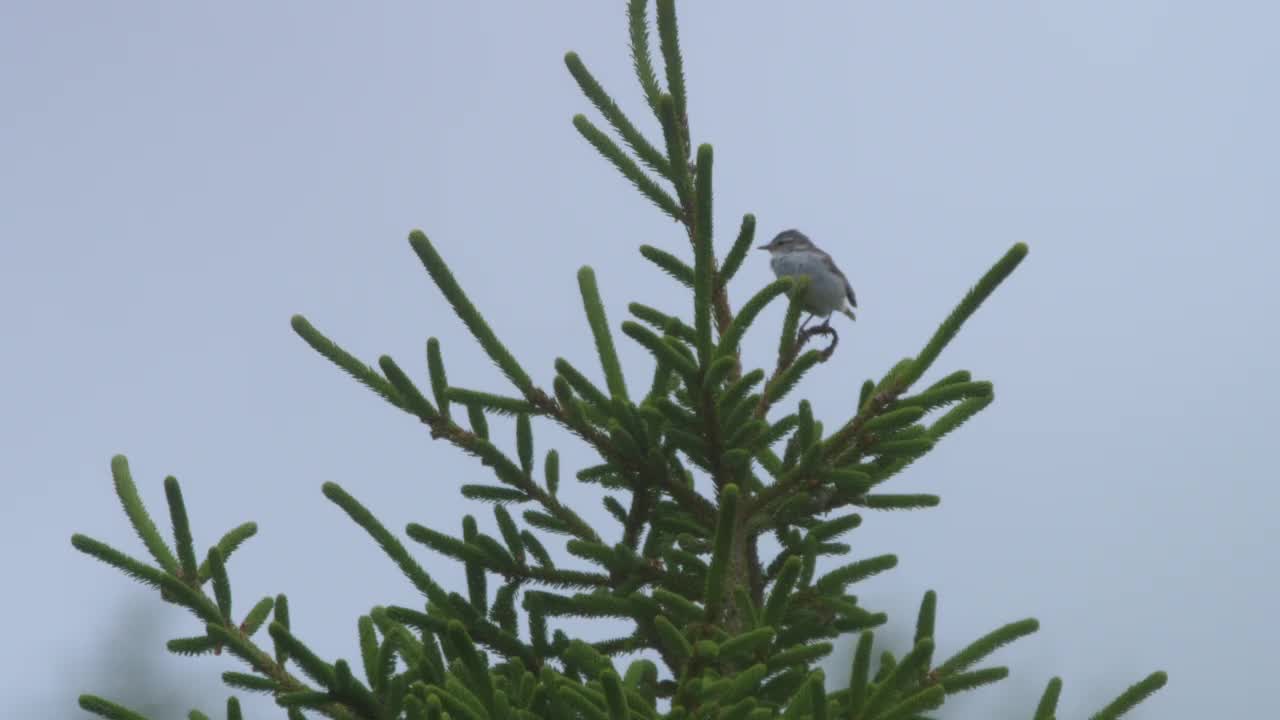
[
  {"x": 965, "y": 681},
  {"x": 638, "y": 26},
  {"x": 668, "y": 263},
  {"x": 664, "y": 351},
  {"x": 718, "y": 571},
  {"x": 629, "y": 169},
  {"x": 1130, "y": 698},
  {"x": 674, "y": 64},
  {"x": 228, "y": 544},
  {"x": 257, "y": 615},
  {"x": 610, "y": 110},
  {"x": 898, "y": 677},
  {"x": 168, "y": 583},
  {"x": 943, "y": 395},
  {"x": 1048, "y": 707},
  {"x": 677, "y": 156},
  {"x": 500, "y": 404},
  {"x": 199, "y": 645},
  {"x": 388, "y": 542},
  {"x": 439, "y": 381},
  {"x": 927, "y": 699},
  {"x": 972, "y": 300},
  {"x": 740, "y": 640},
  {"x": 414, "y": 401},
  {"x": 221, "y": 584},
  {"x": 787, "y": 346},
  {"x": 127, "y": 492},
  {"x": 582, "y": 386},
  {"x": 703, "y": 259},
  {"x": 663, "y": 322},
  {"x": 860, "y": 674},
  {"x": 738, "y": 252},
  {"x": 470, "y": 317},
  {"x": 600, "y": 331},
  {"x": 987, "y": 644},
  {"x": 732, "y": 336},
  {"x": 958, "y": 415},
  {"x": 107, "y": 709},
  {"x": 364, "y": 374},
  {"x": 181, "y": 529}
]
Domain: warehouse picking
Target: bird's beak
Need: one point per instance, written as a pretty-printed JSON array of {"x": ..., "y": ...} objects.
[{"x": 762, "y": 247}]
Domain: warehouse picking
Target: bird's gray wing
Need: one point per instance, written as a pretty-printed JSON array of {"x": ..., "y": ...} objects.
[{"x": 848, "y": 289}]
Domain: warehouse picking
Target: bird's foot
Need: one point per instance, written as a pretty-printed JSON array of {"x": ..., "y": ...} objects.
[{"x": 823, "y": 329}]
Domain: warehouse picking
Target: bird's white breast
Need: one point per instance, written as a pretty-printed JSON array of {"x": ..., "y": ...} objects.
[{"x": 826, "y": 289}]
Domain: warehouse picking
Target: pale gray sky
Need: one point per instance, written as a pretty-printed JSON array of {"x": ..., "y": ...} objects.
[{"x": 179, "y": 179}]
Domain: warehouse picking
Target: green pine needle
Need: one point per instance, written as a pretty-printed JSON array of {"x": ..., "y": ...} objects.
[
  {"x": 732, "y": 336},
  {"x": 182, "y": 593},
  {"x": 467, "y": 312},
  {"x": 252, "y": 683},
  {"x": 677, "y": 149},
  {"x": 1130, "y": 698},
  {"x": 703, "y": 255},
  {"x": 926, "y": 618},
  {"x": 987, "y": 644},
  {"x": 439, "y": 380},
  {"x": 191, "y": 646},
  {"x": 581, "y": 385},
  {"x": 668, "y": 263},
  {"x": 860, "y": 673},
  {"x": 221, "y": 584},
  {"x": 494, "y": 494},
  {"x": 346, "y": 361},
  {"x": 738, "y": 252},
  {"x": 127, "y": 492},
  {"x": 927, "y": 699},
  {"x": 318, "y": 670},
  {"x": 662, "y": 322},
  {"x": 388, "y": 542},
  {"x": 610, "y": 110},
  {"x": 962, "y": 682},
  {"x": 838, "y": 579},
  {"x": 1047, "y": 709},
  {"x": 717, "y": 573},
  {"x": 499, "y": 404},
  {"x": 594, "y": 308},
  {"x": 628, "y": 167},
  {"x": 107, "y": 709},
  {"x": 228, "y": 544},
  {"x": 181, "y": 528},
  {"x": 782, "y": 384},
  {"x": 899, "y": 502},
  {"x": 669, "y": 37},
  {"x": 967, "y": 307},
  {"x": 641, "y": 59},
  {"x": 414, "y": 401},
  {"x": 791, "y": 321},
  {"x": 958, "y": 415},
  {"x": 663, "y": 351}
]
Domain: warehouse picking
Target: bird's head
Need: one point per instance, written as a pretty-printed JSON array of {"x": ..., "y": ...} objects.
[{"x": 787, "y": 241}]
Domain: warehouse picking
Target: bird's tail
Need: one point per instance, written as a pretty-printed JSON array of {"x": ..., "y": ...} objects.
[{"x": 848, "y": 311}]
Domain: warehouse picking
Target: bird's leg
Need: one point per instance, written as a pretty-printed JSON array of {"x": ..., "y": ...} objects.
[
  {"x": 805, "y": 322},
  {"x": 823, "y": 328}
]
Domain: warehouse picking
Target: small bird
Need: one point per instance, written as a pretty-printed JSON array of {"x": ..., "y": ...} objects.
[{"x": 792, "y": 254}]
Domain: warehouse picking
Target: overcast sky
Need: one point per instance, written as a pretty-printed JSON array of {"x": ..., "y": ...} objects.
[{"x": 178, "y": 179}]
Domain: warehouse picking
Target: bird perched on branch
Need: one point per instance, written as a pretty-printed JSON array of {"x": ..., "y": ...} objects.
[{"x": 793, "y": 254}]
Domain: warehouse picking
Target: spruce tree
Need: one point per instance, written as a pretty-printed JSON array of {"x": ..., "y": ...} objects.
[{"x": 700, "y": 460}]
